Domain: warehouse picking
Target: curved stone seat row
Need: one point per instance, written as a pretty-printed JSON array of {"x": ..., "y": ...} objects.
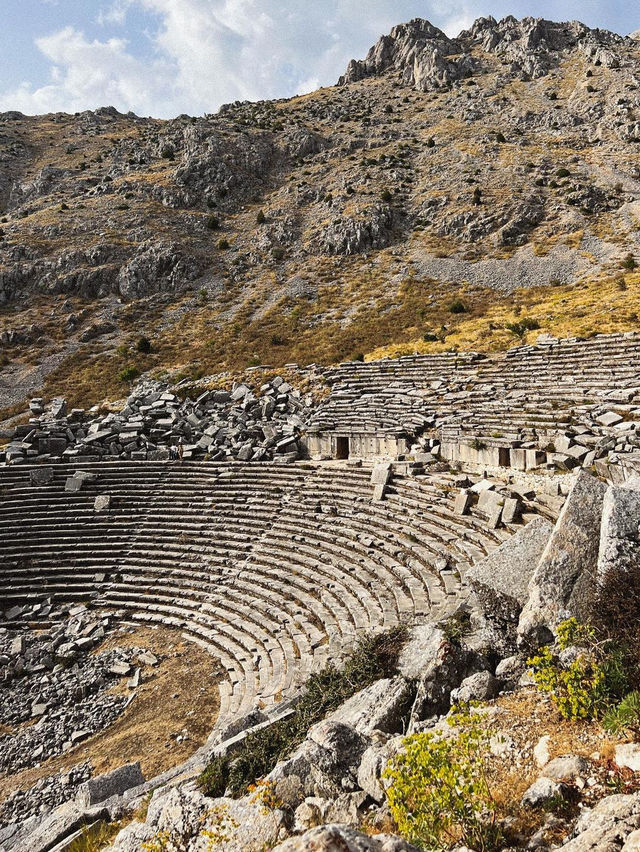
[
  {"x": 275, "y": 569},
  {"x": 527, "y": 390}
]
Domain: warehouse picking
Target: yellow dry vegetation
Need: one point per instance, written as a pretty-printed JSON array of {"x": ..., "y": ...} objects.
[{"x": 584, "y": 309}]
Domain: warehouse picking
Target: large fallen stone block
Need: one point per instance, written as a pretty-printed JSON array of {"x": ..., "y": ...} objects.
[
  {"x": 620, "y": 531},
  {"x": 565, "y": 576},
  {"x": 501, "y": 580},
  {"x": 114, "y": 783}
]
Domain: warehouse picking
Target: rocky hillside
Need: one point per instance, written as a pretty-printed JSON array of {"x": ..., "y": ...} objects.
[{"x": 442, "y": 188}]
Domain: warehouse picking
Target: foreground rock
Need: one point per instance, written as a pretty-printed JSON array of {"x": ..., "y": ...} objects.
[
  {"x": 341, "y": 838},
  {"x": 565, "y": 576}
]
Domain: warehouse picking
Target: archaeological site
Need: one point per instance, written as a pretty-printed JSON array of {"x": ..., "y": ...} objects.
[{"x": 320, "y": 459}]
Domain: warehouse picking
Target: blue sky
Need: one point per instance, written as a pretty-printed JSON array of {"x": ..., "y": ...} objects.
[{"x": 165, "y": 57}]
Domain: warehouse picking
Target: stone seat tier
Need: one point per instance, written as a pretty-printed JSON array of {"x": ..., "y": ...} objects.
[{"x": 275, "y": 569}]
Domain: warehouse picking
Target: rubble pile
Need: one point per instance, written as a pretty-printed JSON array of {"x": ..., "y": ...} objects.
[
  {"x": 220, "y": 425},
  {"x": 56, "y": 692},
  {"x": 25, "y": 806}
]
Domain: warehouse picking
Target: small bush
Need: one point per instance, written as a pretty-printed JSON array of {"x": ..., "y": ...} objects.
[
  {"x": 500, "y": 138},
  {"x": 277, "y": 253},
  {"x": 431, "y": 142},
  {"x": 563, "y": 173},
  {"x": 477, "y": 195},
  {"x": 457, "y": 307},
  {"x": 591, "y": 681},
  {"x": 167, "y": 152},
  {"x": 522, "y": 326},
  {"x": 223, "y": 244},
  {"x": 629, "y": 263},
  {"x": 438, "y": 792},
  {"x": 386, "y": 197},
  {"x": 261, "y": 218},
  {"x": 128, "y": 374},
  {"x": 359, "y": 356},
  {"x": 429, "y": 337},
  {"x": 143, "y": 345},
  {"x": 213, "y": 223}
]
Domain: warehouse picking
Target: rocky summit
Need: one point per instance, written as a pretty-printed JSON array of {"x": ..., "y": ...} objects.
[
  {"x": 320, "y": 460},
  {"x": 497, "y": 171}
]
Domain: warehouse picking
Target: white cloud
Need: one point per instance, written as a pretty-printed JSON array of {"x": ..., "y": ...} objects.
[{"x": 208, "y": 52}]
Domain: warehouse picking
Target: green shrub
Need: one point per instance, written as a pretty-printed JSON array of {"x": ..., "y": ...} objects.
[
  {"x": 522, "y": 326},
  {"x": 429, "y": 337},
  {"x": 261, "y": 218},
  {"x": 625, "y": 717},
  {"x": 477, "y": 195},
  {"x": 128, "y": 374},
  {"x": 374, "y": 657},
  {"x": 438, "y": 792},
  {"x": 167, "y": 152},
  {"x": 386, "y": 197},
  {"x": 223, "y": 244},
  {"x": 500, "y": 137},
  {"x": 457, "y": 307},
  {"x": 588, "y": 684},
  {"x": 213, "y": 223},
  {"x": 143, "y": 345},
  {"x": 277, "y": 253},
  {"x": 629, "y": 263},
  {"x": 563, "y": 173},
  {"x": 431, "y": 142}
]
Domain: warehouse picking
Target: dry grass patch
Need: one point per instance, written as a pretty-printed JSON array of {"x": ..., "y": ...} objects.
[{"x": 178, "y": 696}]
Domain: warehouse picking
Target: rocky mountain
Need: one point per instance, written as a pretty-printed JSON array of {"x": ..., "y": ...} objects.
[{"x": 442, "y": 188}]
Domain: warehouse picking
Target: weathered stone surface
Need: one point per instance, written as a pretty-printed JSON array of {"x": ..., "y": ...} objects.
[
  {"x": 620, "y": 531},
  {"x": 341, "y": 838},
  {"x": 501, "y": 580},
  {"x": 565, "y": 575},
  {"x": 114, "y": 783},
  {"x": 381, "y": 706},
  {"x": 605, "y": 827},
  {"x": 438, "y": 665},
  {"x": 541, "y": 791},
  {"x": 628, "y": 755},
  {"x": 481, "y": 686},
  {"x": 566, "y": 768},
  {"x": 184, "y": 816},
  {"x": 324, "y": 766}
]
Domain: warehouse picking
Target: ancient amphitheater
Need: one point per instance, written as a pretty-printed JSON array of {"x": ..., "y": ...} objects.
[{"x": 416, "y": 470}]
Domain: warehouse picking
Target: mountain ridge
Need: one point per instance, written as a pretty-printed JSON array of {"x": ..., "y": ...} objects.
[{"x": 504, "y": 177}]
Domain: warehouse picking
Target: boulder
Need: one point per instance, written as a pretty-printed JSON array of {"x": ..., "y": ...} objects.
[
  {"x": 481, "y": 686},
  {"x": 438, "y": 665},
  {"x": 341, "y": 838},
  {"x": 566, "y": 768},
  {"x": 542, "y": 790},
  {"x": 325, "y": 765},
  {"x": 114, "y": 783},
  {"x": 382, "y": 706},
  {"x": 620, "y": 531},
  {"x": 501, "y": 580},
  {"x": 607, "y": 825},
  {"x": 564, "y": 578}
]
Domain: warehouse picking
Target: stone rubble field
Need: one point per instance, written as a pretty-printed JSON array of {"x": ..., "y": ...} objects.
[{"x": 249, "y": 425}]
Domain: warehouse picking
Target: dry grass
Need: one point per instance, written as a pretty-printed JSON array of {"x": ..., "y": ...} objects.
[{"x": 178, "y": 696}]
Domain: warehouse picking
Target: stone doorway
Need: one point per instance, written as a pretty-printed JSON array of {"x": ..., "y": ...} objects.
[{"x": 342, "y": 447}]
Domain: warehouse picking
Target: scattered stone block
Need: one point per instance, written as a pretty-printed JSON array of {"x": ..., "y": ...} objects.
[
  {"x": 113, "y": 783},
  {"x": 501, "y": 580}
]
